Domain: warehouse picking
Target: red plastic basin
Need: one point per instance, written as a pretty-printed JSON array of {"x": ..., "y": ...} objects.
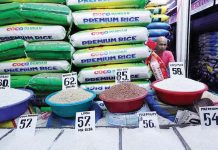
[
  {"x": 178, "y": 98},
  {"x": 124, "y": 106}
]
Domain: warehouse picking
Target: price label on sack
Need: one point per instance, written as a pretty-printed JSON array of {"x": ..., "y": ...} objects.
[
  {"x": 5, "y": 82},
  {"x": 122, "y": 75},
  {"x": 177, "y": 69},
  {"x": 69, "y": 81},
  {"x": 27, "y": 125},
  {"x": 148, "y": 120},
  {"x": 209, "y": 116},
  {"x": 85, "y": 121}
]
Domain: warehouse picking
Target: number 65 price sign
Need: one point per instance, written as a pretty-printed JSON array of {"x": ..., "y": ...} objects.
[{"x": 209, "y": 116}]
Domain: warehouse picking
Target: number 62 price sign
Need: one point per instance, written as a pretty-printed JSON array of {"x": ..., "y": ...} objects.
[{"x": 209, "y": 116}]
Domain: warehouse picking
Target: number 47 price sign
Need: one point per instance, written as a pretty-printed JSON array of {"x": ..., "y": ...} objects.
[{"x": 209, "y": 116}]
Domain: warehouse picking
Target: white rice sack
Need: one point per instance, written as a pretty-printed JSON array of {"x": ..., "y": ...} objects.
[
  {"x": 109, "y": 36},
  {"x": 28, "y": 66},
  {"x": 93, "y": 4},
  {"x": 89, "y": 19},
  {"x": 32, "y": 32},
  {"x": 107, "y": 72},
  {"x": 100, "y": 87},
  {"x": 33, "y": 1},
  {"x": 111, "y": 54}
]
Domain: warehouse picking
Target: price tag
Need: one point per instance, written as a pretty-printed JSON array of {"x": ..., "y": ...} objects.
[
  {"x": 209, "y": 116},
  {"x": 5, "y": 82},
  {"x": 148, "y": 120},
  {"x": 122, "y": 75},
  {"x": 177, "y": 69},
  {"x": 85, "y": 121},
  {"x": 69, "y": 81},
  {"x": 27, "y": 125}
]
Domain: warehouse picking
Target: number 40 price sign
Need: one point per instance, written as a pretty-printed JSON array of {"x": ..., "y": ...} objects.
[{"x": 209, "y": 116}]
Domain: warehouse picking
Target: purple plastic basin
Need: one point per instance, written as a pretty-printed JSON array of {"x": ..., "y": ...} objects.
[{"x": 13, "y": 111}]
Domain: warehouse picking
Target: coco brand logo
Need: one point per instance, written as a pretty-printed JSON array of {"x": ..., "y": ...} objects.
[
  {"x": 104, "y": 71},
  {"x": 99, "y": 33},
  {"x": 22, "y": 28}
]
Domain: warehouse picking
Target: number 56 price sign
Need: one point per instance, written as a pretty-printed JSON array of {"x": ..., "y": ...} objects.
[{"x": 209, "y": 116}]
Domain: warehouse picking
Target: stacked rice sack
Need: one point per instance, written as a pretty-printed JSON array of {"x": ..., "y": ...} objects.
[
  {"x": 112, "y": 37},
  {"x": 208, "y": 56},
  {"x": 32, "y": 46},
  {"x": 159, "y": 26}
]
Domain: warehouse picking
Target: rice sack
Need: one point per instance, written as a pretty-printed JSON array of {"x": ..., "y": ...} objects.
[
  {"x": 12, "y": 49},
  {"x": 154, "y": 3},
  {"x": 47, "y": 13},
  {"x": 89, "y": 19},
  {"x": 46, "y": 82},
  {"x": 107, "y": 72},
  {"x": 20, "y": 81},
  {"x": 28, "y": 66},
  {"x": 160, "y": 18},
  {"x": 158, "y": 32},
  {"x": 9, "y": 14},
  {"x": 109, "y": 36},
  {"x": 34, "y": 1},
  {"x": 111, "y": 54},
  {"x": 100, "y": 87},
  {"x": 159, "y": 25},
  {"x": 56, "y": 50},
  {"x": 32, "y": 32},
  {"x": 93, "y": 4},
  {"x": 157, "y": 10}
]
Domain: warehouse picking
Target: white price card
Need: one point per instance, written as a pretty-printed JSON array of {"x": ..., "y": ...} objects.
[
  {"x": 148, "y": 120},
  {"x": 5, "y": 82},
  {"x": 177, "y": 69},
  {"x": 122, "y": 75},
  {"x": 27, "y": 125},
  {"x": 85, "y": 121},
  {"x": 209, "y": 116},
  {"x": 69, "y": 81}
]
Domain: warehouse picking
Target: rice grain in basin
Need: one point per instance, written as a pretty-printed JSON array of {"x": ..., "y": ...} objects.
[
  {"x": 123, "y": 91},
  {"x": 70, "y": 95}
]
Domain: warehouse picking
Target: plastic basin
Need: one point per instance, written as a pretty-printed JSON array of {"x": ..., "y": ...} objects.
[
  {"x": 70, "y": 109},
  {"x": 13, "y": 111},
  {"x": 124, "y": 106},
  {"x": 178, "y": 98}
]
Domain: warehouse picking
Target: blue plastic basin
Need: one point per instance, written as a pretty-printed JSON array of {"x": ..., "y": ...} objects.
[
  {"x": 70, "y": 109},
  {"x": 13, "y": 111}
]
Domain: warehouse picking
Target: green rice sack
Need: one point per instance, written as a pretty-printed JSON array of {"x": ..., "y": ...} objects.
[
  {"x": 46, "y": 82},
  {"x": 12, "y": 49},
  {"x": 100, "y": 87},
  {"x": 9, "y": 14},
  {"x": 20, "y": 81},
  {"x": 93, "y": 4},
  {"x": 34, "y": 1},
  {"x": 107, "y": 72},
  {"x": 47, "y": 13},
  {"x": 109, "y": 36},
  {"x": 57, "y": 50},
  {"x": 32, "y": 67},
  {"x": 90, "y": 19},
  {"x": 110, "y": 55},
  {"x": 32, "y": 32}
]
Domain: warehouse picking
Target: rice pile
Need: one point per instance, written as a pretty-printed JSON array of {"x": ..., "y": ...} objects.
[{"x": 70, "y": 95}]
